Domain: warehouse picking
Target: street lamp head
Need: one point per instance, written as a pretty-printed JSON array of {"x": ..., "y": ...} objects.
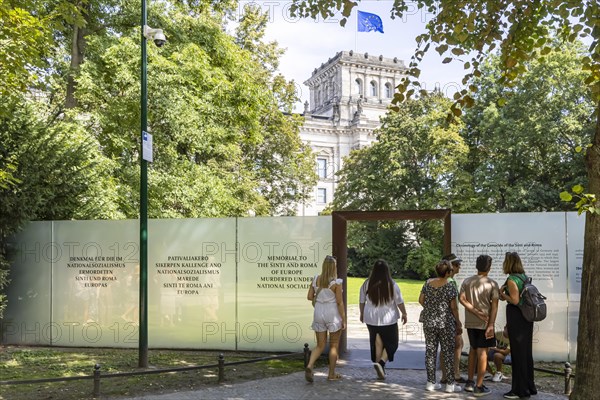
[{"x": 155, "y": 35}]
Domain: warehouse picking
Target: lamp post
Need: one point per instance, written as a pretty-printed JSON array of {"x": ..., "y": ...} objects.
[
  {"x": 159, "y": 39},
  {"x": 143, "y": 306}
]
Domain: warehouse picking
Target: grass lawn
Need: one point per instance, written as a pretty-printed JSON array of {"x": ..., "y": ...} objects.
[
  {"x": 24, "y": 363},
  {"x": 410, "y": 289}
]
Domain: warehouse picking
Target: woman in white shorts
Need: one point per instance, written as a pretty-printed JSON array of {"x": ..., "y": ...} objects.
[{"x": 329, "y": 316}]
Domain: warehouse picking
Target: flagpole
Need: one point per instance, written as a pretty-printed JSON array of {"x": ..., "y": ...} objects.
[{"x": 356, "y": 34}]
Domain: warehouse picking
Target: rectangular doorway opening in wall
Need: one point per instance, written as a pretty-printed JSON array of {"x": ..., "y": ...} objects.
[{"x": 353, "y": 233}]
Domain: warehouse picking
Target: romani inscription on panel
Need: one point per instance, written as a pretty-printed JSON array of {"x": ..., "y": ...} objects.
[{"x": 188, "y": 275}]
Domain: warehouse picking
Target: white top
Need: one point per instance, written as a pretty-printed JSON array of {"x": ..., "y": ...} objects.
[
  {"x": 326, "y": 295},
  {"x": 326, "y": 316},
  {"x": 383, "y": 314}
]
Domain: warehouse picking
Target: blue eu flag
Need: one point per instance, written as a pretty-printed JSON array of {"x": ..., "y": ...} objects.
[{"x": 368, "y": 22}]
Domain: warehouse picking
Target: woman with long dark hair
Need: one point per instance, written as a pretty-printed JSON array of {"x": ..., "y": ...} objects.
[
  {"x": 381, "y": 303},
  {"x": 520, "y": 331}
]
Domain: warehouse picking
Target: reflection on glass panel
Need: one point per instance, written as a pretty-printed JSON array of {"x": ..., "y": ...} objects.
[
  {"x": 550, "y": 336},
  {"x": 278, "y": 258},
  {"x": 573, "y": 329},
  {"x": 575, "y": 235},
  {"x": 192, "y": 275},
  {"x": 95, "y": 279},
  {"x": 27, "y": 315}
]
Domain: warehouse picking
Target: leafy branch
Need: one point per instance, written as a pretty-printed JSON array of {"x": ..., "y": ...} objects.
[{"x": 586, "y": 202}]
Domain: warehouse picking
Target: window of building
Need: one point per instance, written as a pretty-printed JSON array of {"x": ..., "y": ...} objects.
[
  {"x": 322, "y": 168},
  {"x": 358, "y": 86},
  {"x": 373, "y": 88},
  {"x": 389, "y": 92},
  {"x": 321, "y": 196}
]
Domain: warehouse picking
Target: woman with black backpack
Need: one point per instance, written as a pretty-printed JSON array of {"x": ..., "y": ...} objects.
[{"x": 520, "y": 331}]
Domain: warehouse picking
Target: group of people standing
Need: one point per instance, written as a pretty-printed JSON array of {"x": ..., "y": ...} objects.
[{"x": 382, "y": 306}]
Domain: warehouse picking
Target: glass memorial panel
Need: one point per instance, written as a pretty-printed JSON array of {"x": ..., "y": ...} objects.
[
  {"x": 27, "y": 315},
  {"x": 242, "y": 283},
  {"x": 573, "y": 329},
  {"x": 192, "y": 283},
  {"x": 540, "y": 240},
  {"x": 550, "y": 339},
  {"x": 95, "y": 283},
  {"x": 278, "y": 257},
  {"x": 575, "y": 234}
]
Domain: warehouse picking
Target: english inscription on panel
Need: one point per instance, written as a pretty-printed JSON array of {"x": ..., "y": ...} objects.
[{"x": 285, "y": 272}]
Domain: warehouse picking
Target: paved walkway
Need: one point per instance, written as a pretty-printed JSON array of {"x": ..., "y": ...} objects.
[{"x": 405, "y": 377}]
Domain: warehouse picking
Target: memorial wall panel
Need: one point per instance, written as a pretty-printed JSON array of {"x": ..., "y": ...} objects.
[
  {"x": 540, "y": 240},
  {"x": 192, "y": 283},
  {"x": 278, "y": 257},
  {"x": 575, "y": 234},
  {"x": 95, "y": 283},
  {"x": 550, "y": 336},
  {"x": 575, "y": 239},
  {"x": 27, "y": 317},
  {"x": 573, "y": 315},
  {"x": 228, "y": 283}
]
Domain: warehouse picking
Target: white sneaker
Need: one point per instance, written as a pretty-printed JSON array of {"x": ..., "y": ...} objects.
[
  {"x": 498, "y": 377},
  {"x": 430, "y": 387},
  {"x": 451, "y": 388},
  {"x": 487, "y": 376}
]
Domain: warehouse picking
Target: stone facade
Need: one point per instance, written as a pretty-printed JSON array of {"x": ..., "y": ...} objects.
[{"x": 348, "y": 95}]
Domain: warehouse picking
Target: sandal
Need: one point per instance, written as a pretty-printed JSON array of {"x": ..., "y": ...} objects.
[
  {"x": 308, "y": 375},
  {"x": 336, "y": 377}
]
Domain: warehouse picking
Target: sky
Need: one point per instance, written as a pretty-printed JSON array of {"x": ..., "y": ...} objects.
[{"x": 308, "y": 43}]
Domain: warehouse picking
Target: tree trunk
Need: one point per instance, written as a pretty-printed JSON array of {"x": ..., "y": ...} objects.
[
  {"x": 77, "y": 53},
  {"x": 587, "y": 384},
  {"x": 77, "y": 50}
]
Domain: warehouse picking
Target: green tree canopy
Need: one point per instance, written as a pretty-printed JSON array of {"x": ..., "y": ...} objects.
[
  {"x": 222, "y": 145},
  {"x": 524, "y": 138},
  {"x": 58, "y": 173},
  {"x": 415, "y": 163}
]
